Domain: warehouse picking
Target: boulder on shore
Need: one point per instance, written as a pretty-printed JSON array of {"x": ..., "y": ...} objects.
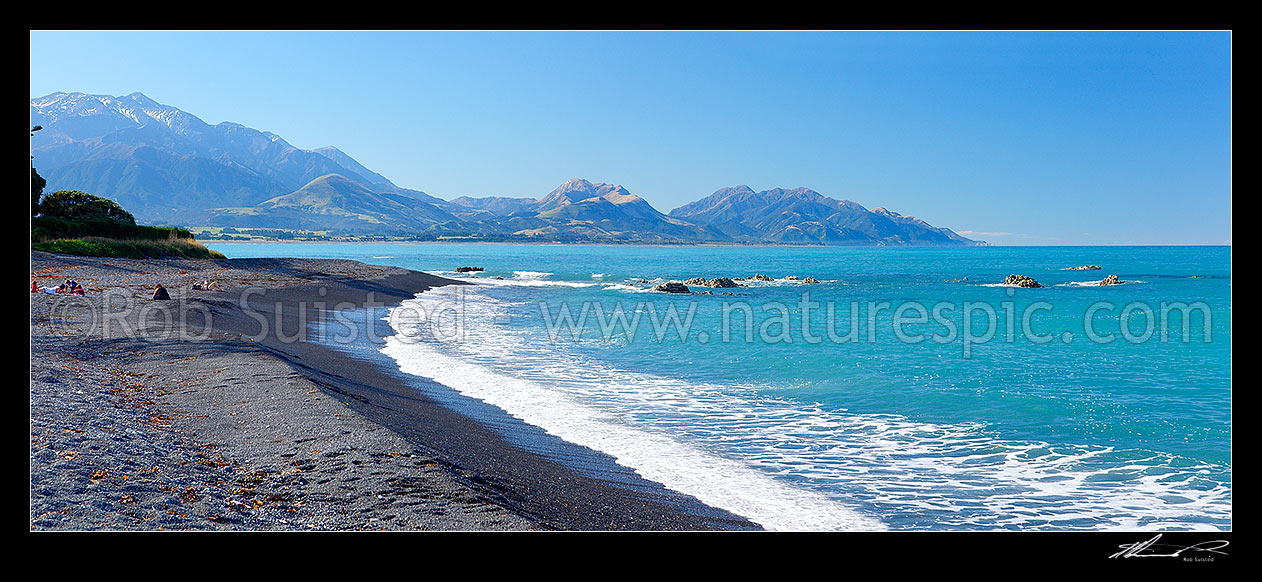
[
  {"x": 672, "y": 287},
  {"x": 468, "y": 269},
  {"x": 1111, "y": 280},
  {"x": 1021, "y": 281}
]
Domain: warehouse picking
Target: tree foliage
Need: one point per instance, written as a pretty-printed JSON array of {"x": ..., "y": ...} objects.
[
  {"x": 37, "y": 181},
  {"x": 37, "y": 190},
  {"x": 76, "y": 205}
]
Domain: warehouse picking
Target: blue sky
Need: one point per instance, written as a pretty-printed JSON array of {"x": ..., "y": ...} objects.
[{"x": 1010, "y": 137}]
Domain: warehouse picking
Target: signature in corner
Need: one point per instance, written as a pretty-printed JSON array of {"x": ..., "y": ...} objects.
[{"x": 1152, "y": 549}]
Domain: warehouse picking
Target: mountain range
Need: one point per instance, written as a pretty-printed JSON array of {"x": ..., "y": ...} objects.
[{"x": 167, "y": 166}]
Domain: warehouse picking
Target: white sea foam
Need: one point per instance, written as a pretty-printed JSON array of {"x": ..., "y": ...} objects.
[
  {"x": 737, "y": 448},
  {"x": 1095, "y": 283},
  {"x": 1080, "y": 283},
  {"x": 780, "y": 283},
  {"x": 519, "y": 279},
  {"x": 715, "y": 480},
  {"x": 627, "y": 288}
]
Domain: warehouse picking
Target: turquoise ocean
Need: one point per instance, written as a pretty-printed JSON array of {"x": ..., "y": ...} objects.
[{"x": 908, "y": 389}]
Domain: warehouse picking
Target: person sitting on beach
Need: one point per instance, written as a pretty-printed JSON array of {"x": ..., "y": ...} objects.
[
  {"x": 160, "y": 292},
  {"x": 35, "y": 288},
  {"x": 78, "y": 291},
  {"x": 207, "y": 286}
]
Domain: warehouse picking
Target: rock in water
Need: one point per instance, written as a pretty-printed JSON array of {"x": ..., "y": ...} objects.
[
  {"x": 1021, "y": 281},
  {"x": 672, "y": 287},
  {"x": 467, "y": 269},
  {"x": 715, "y": 283},
  {"x": 1084, "y": 268},
  {"x": 1111, "y": 280},
  {"x": 810, "y": 281},
  {"x": 721, "y": 283}
]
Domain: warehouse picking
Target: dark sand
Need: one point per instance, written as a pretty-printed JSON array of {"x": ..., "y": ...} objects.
[{"x": 199, "y": 418}]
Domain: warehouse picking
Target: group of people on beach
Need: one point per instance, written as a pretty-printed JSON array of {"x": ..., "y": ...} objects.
[
  {"x": 160, "y": 292},
  {"x": 72, "y": 287},
  {"x": 69, "y": 287}
]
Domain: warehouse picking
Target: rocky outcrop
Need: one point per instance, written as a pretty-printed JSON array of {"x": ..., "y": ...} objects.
[
  {"x": 468, "y": 269},
  {"x": 1084, "y": 268},
  {"x": 1111, "y": 280},
  {"x": 672, "y": 287},
  {"x": 721, "y": 283},
  {"x": 1021, "y": 281},
  {"x": 791, "y": 278},
  {"x": 810, "y": 281},
  {"x": 756, "y": 277},
  {"x": 715, "y": 283}
]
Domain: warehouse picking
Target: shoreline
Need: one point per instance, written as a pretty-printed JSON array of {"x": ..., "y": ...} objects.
[
  {"x": 704, "y": 244},
  {"x": 303, "y": 435}
]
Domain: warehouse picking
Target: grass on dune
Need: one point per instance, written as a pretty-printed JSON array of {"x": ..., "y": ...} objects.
[
  {"x": 112, "y": 238},
  {"x": 128, "y": 248}
]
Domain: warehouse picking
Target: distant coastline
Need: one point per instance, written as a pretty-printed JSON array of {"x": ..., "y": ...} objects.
[
  {"x": 692, "y": 244},
  {"x": 573, "y": 243}
]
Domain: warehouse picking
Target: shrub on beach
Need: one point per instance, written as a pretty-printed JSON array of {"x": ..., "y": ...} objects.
[
  {"x": 77, "y": 223},
  {"x": 76, "y": 205},
  {"x": 129, "y": 249},
  {"x": 51, "y": 227}
]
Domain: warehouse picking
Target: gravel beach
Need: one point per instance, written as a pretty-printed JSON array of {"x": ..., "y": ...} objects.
[{"x": 195, "y": 414}]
